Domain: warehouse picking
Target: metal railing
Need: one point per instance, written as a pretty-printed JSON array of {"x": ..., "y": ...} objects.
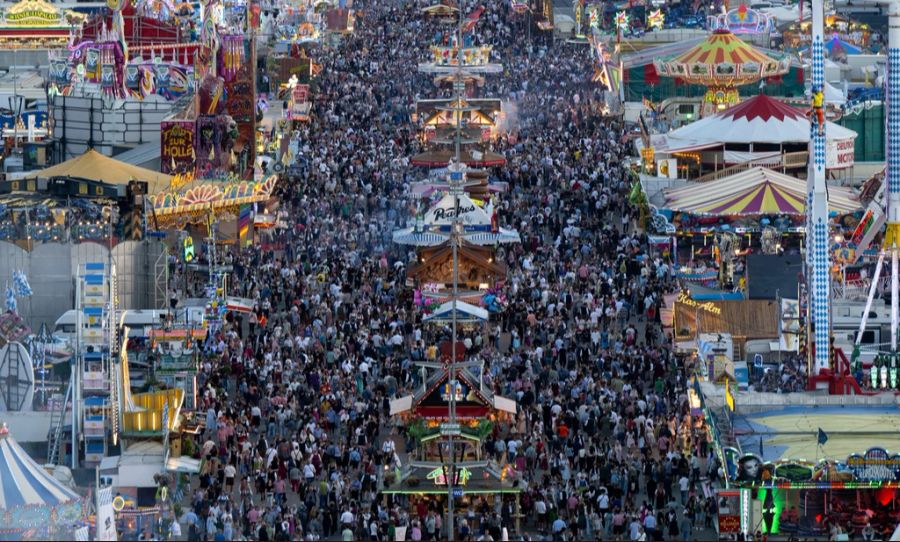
[{"x": 788, "y": 160}]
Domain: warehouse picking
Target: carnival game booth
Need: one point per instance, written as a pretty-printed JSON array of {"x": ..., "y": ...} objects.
[
  {"x": 34, "y": 505},
  {"x": 760, "y": 131},
  {"x": 803, "y": 470},
  {"x": 421, "y": 483}
]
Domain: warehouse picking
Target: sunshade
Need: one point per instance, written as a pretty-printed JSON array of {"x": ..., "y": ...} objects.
[
  {"x": 24, "y": 483},
  {"x": 757, "y": 191},
  {"x": 760, "y": 119},
  {"x": 97, "y": 167},
  {"x": 465, "y": 312}
]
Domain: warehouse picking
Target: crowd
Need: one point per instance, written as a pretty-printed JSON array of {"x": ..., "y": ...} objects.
[{"x": 296, "y": 395}]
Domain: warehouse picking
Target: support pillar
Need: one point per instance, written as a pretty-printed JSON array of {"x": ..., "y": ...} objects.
[
  {"x": 818, "y": 259},
  {"x": 892, "y": 170}
]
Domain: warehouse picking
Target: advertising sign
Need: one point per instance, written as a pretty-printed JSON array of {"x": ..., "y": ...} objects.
[{"x": 177, "y": 145}]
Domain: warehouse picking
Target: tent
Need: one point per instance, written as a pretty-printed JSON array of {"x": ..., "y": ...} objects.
[
  {"x": 31, "y": 499},
  {"x": 97, "y": 167},
  {"x": 756, "y": 191},
  {"x": 760, "y": 119},
  {"x": 465, "y": 313}
]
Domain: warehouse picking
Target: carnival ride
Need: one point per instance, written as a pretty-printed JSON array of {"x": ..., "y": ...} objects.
[
  {"x": 721, "y": 63},
  {"x": 34, "y": 505}
]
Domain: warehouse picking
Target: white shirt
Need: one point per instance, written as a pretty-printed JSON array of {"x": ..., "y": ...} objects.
[{"x": 347, "y": 517}]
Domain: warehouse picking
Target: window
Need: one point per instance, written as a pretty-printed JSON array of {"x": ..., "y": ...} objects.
[
  {"x": 82, "y": 188},
  {"x": 868, "y": 337},
  {"x": 98, "y": 190},
  {"x": 686, "y": 109},
  {"x": 64, "y": 328}
]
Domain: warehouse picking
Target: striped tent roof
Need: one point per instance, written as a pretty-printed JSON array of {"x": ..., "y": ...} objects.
[
  {"x": 756, "y": 191},
  {"x": 24, "y": 483},
  {"x": 722, "y": 59}
]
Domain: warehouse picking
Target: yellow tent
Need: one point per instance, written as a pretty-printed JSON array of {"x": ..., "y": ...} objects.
[{"x": 97, "y": 167}]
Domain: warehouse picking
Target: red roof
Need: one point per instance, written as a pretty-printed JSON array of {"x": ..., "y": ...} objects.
[{"x": 763, "y": 107}]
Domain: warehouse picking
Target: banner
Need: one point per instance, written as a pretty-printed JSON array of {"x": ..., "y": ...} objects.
[
  {"x": 839, "y": 153},
  {"x": 176, "y": 146},
  {"x": 92, "y": 65},
  {"x": 106, "y": 520}
]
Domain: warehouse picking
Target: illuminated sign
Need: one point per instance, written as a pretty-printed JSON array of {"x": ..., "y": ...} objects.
[
  {"x": 440, "y": 478},
  {"x": 709, "y": 306},
  {"x": 459, "y": 392},
  {"x": 31, "y": 13}
]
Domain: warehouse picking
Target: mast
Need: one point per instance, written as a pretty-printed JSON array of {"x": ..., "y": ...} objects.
[{"x": 818, "y": 259}]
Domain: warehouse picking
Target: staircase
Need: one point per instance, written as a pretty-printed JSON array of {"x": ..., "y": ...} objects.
[
  {"x": 57, "y": 424},
  {"x": 726, "y": 430}
]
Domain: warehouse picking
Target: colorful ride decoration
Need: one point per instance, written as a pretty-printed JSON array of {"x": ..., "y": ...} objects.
[
  {"x": 742, "y": 20},
  {"x": 36, "y": 24},
  {"x": 722, "y": 63},
  {"x": 33, "y": 504},
  {"x": 656, "y": 19},
  {"x": 178, "y": 207},
  {"x": 875, "y": 468},
  {"x": 471, "y": 56}
]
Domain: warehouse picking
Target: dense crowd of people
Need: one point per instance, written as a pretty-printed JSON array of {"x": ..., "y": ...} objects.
[{"x": 298, "y": 436}]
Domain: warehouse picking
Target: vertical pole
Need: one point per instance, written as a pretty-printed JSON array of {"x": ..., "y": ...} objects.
[
  {"x": 892, "y": 171},
  {"x": 817, "y": 256},
  {"x": 895, "y": 303},
  {"x": 865, "y": 316}
]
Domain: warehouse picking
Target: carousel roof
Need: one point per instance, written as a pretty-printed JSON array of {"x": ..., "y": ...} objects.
[
  {"x": 760, "y": 119},
  {"x": 24, "y": 483},
  {"x": 756, "y": 191},
  {"x": 722, "y": 59}
]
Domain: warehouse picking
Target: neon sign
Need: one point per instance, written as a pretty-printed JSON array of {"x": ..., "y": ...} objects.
[
  {"x": 708, "y": 306},
  {"x": 440, "y": 477}
]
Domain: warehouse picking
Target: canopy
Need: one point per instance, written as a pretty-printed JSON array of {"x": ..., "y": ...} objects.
[
  {"x": 465, "y": 312},
  {"x": 836, "y": 45},
  {"x": 756, "y": 191},
  {"x": 409, "y": 236},
  {"x": 760, "y": 119},
  {"x": 30, "y": 497},
  {"x": 97, "y": 167},
  {"x": 722, "y": 59},
  {"x": 470, "y": 213}
]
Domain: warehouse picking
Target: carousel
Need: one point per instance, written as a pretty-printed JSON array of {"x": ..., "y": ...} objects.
[
  {"x": 35, "y": 506},
  {"x": 722, "y": 63}
]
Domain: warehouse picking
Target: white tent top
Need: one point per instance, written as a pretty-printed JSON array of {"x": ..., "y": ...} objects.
[
  {"x": 756, "y": 191},
  {"x": 465, "y": 312},
  {"x": 760, "y": 119},
  {"x": 470, "y": 213}
]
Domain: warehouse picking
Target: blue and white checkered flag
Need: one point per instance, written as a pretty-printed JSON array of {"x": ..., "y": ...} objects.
[
  {"x": 82, "y": 534},
  {"x": 165, "y": 416},
  {"x": 20, "y": 280},
  {"x": 11, "y": 304}
]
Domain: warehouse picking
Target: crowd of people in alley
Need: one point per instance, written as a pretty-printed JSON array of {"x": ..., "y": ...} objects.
[{"x": 298, "y": 436}]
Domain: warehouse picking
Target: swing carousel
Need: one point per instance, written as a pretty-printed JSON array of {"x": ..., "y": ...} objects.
[{"x": 722, "y": 63}]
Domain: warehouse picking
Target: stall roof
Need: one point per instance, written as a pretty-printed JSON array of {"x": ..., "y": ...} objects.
[
  {"x": 756, "y": 191},
  {"x": 465, "y": 312},
  {"x": 97, "y": 167},
  {"x": 760, "y": 119}
]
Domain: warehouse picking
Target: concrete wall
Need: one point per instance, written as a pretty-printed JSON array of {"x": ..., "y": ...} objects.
[{"x": 52, "y": 267}]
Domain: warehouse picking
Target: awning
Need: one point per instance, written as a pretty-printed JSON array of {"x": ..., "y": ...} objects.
[
  {"x": 465, "y": 312},
  {"x": 408, "y": 236},
  {"x": 187, "y": 465},
  {"x": 504, "y": 404},
  {"x": 401, "y": 405}
]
